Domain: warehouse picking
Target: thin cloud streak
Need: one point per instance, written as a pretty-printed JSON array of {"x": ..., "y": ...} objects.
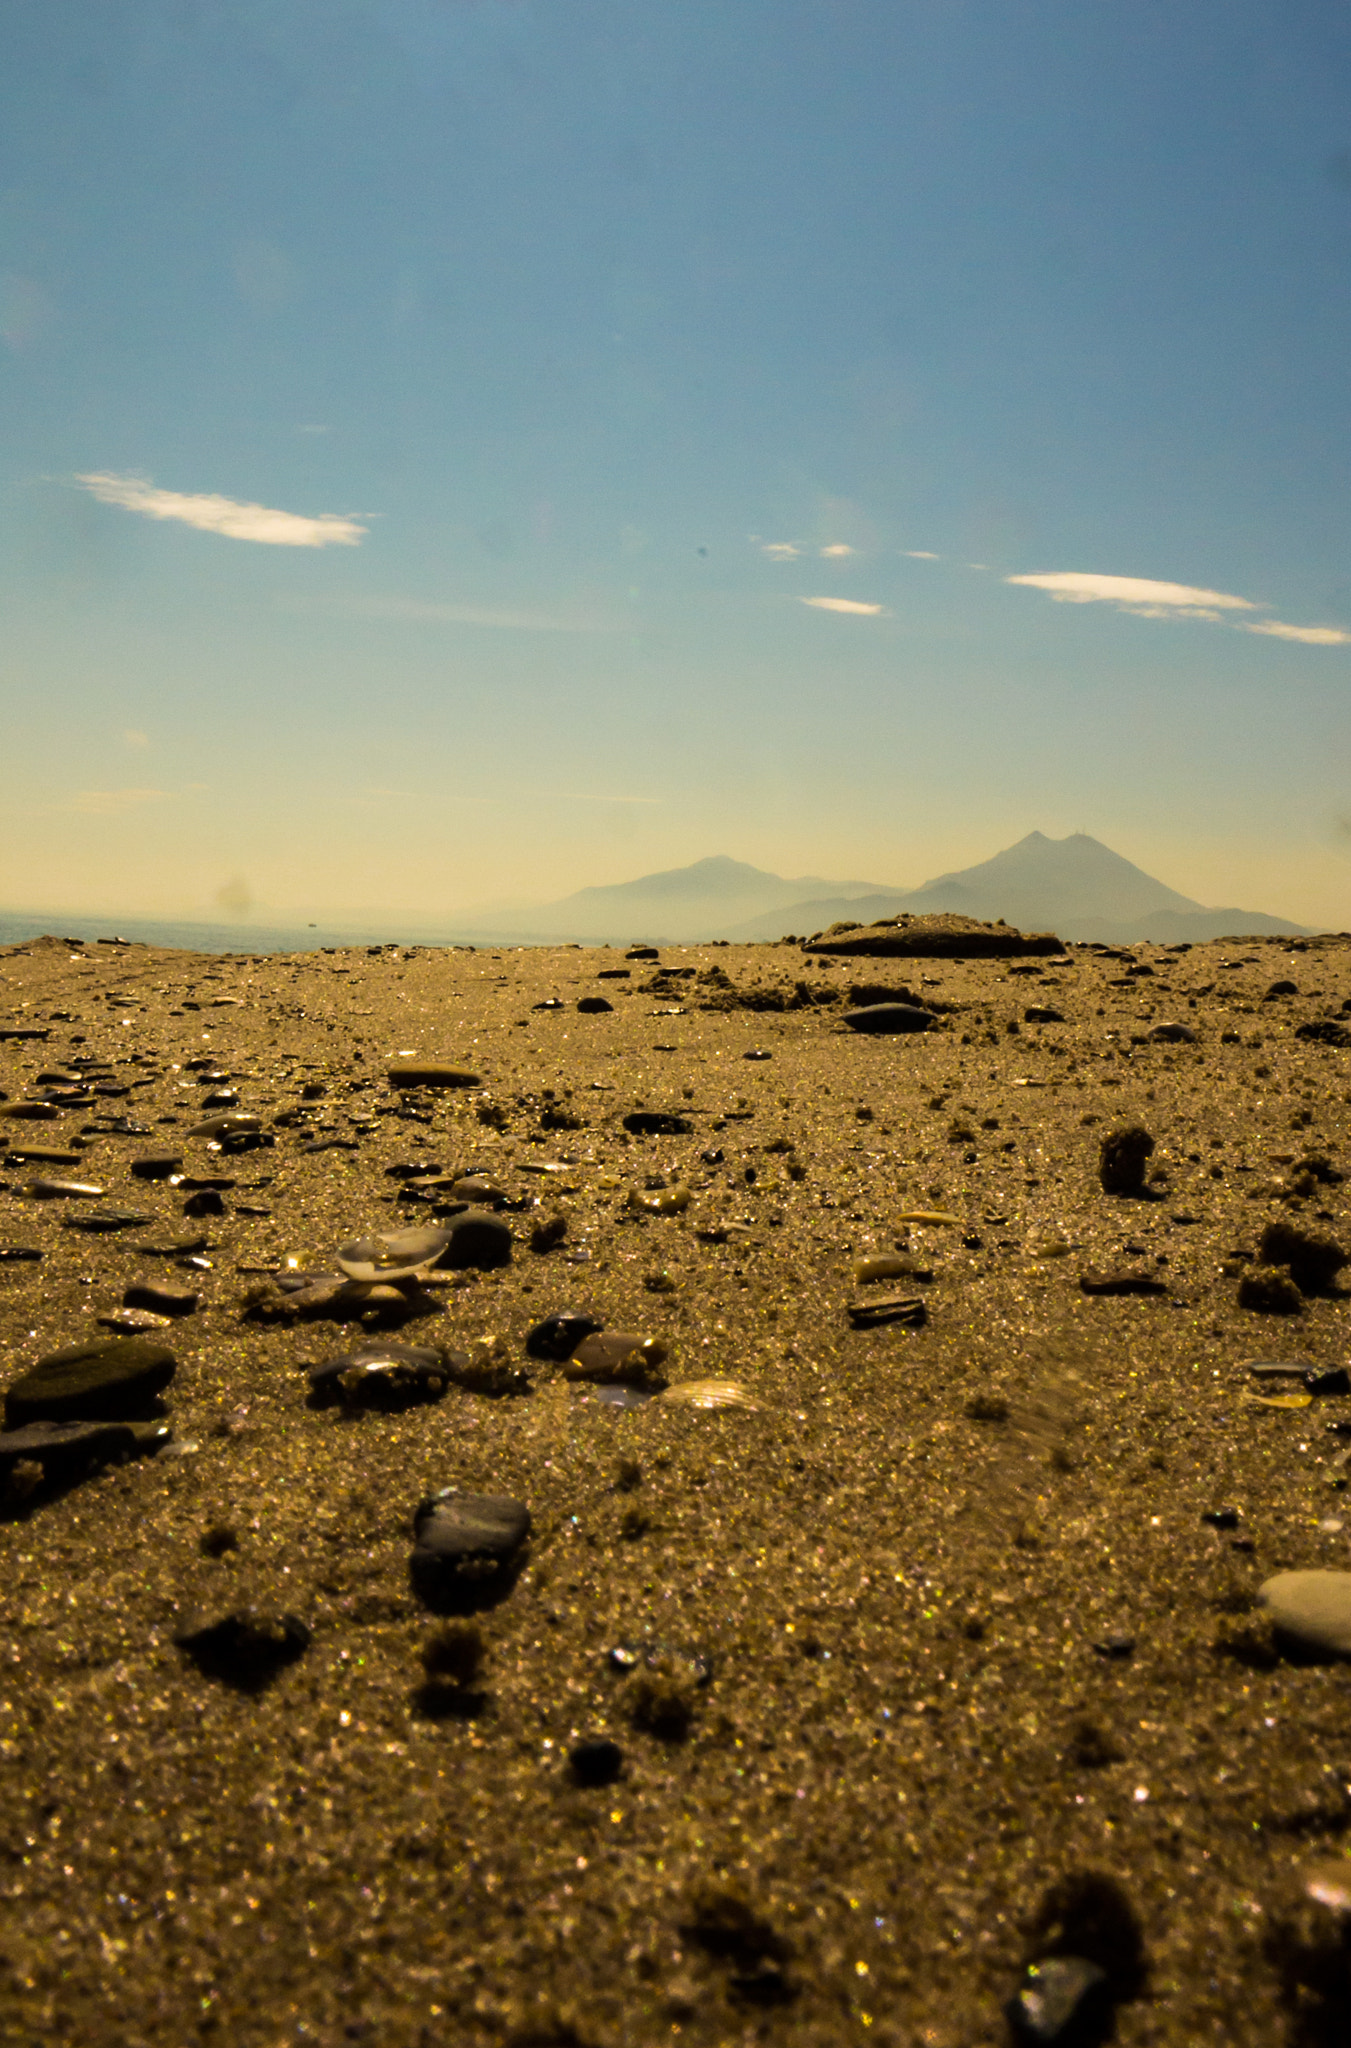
[
  {"x": 1135, "y": 594},
  {"x": 838, "y": 547},
  {"x": 1312, "y": 636},
  {"x": 920, "y": 555},
  {"x": 210, "y": 513},
  {"x": 846, "y": 604},
  {"x": 781, "y": 551}
]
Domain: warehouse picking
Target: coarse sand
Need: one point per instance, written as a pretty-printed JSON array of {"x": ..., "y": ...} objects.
[{"x": 935, "y": 1654}]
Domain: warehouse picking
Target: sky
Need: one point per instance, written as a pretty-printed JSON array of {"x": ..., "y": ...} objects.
[{"x": 453, "y": 452}]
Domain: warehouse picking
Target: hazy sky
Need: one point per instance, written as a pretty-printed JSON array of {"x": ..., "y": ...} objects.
[{"x": 464, "y": 449}]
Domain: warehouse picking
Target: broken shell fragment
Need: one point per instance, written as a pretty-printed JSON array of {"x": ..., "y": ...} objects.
[
  {"x": 888, "y": 1308},
  {"x": 709, "y": 1394},
  {"x": 229, "y": 1126}
]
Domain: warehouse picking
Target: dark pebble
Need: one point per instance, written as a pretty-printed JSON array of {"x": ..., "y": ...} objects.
[
  {"x": 157, "y": 1165},
  {"x": 1222, "y": 1518},
  {"x": 19, "y": 1254},
  {"x": 62, "y": 1190},
  {"x": 559, "y": 1334},
  {"x": 1313, "y": 1257},
  {"x": 105, "y": 1381},
  {"x": 388, "y": 1376},
  {"x": 594, "y": 1006},
  {"x": 656, "y": 1123},
  {"x": 1040, "y": 1013},
  {"x": 66, "y": 1449},
  {"x": 206, "y": 1202},
  {"x": 1124, "y": 1281},
  {"x": 1115, "y": 1646},
  {"x": 596, "y": 1762},
  {"x": 1336, "y": 1380},
  {"x": 161, "y": 1301},
  {"x": 477, "y": 1238},
  {"x": 1121, "y": 1160},
  {"x": 96, "y": 1220},
  {"x": 889, "y": 1018},
  {"x": 467, "y": 1547}
]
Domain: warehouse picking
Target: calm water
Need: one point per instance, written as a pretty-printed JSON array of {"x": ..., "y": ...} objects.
[{"x": 203, "y": 938}]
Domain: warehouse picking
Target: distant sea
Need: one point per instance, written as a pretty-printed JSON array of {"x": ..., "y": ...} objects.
[{"x": 15, "y": 926}]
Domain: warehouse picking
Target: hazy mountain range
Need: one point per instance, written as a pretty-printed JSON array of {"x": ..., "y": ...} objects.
[{"x": 1076, "y": 887}]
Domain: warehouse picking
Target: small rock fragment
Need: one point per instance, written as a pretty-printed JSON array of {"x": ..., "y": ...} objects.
[
  {"x": 1121, "y": 1160},
  {"x": 656, "y": 1123},
  {"x": 888, "y": 1308},
  {"x": 1313, "y": 1257},
  {"x": 596, "y": 1761},
  {"x": 889, "y": 1018},
  {"x": 1123, "y": 1280},
  {"x": 664, "y": 1202},
  {"x": 388, "y": 1376},
  {"x": 1064, "y": 2001},
  {"x": 558, "y": 1336},
  {"x": 619, "y": 1358},
  {"x": 156, "y": 1165},
  {"x": 161, "y": 1301},
  {"x": 1270, "y": 1291},
  {"x": 429, "y": 1074},
  {"x": 467, "y": 1548},
  {"x": 1313, "y": 1608},
  {"x": 110, "y": 1379}
]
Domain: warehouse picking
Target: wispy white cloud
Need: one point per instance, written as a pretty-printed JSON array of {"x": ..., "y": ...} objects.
[
  {"x": 1140, "y": 594},
  {"x": 416, "y": 611},
  {"x": 921, "y": 555},
  {"x": 103, "y": 803},
  {"x": 838, "y": 547},
  {"x": 780, "y": 550},
  {"x": 1312, "y": 636},
  {"x": 846, "y": 604},
  {"x": 214, "y": 514}
]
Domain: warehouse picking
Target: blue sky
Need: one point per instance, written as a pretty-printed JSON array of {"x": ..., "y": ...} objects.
[{"x": 431, "y": 428}]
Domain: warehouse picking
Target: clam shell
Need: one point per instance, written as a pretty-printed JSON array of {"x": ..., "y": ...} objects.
[
  {"x": 391, "y": 1254},
  {"x": 708, "y": 1394}
]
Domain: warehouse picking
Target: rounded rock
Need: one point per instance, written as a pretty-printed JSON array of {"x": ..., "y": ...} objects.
[
  {"x": 882, "y": 1018},
  {"x": 1313, "y": 1608},
  {"x": 104, "y": 1381},
  {"x": 558, "y": 1336}
]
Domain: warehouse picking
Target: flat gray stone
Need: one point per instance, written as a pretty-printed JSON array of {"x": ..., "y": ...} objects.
[
  {"x": 109, "y": 1380},
  {"x": 1313, "y": 1607}
]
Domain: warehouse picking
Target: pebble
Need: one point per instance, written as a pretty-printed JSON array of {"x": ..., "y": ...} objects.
[
  {"x": 477, "y": 1238},
  {"x": 110, "y": 1379},
  {"x": 61, "y": 1449},
  {"x": 96, "y": 1220},
  {"x": 1065, "y": 2000},
  {"x": 558, "y": 1336},
  {"x": 206, "y": 1202},
  {"x": 382, "y": 1376},
  {"x": 133, "y": 1322},
  {"x": 429, "y": 1074},
  {"x": 221, "y": 1098},
  {"x": 1121, "y": 1280},
  {"x": 244, "y": 1648},
  {"x": 1041, "y": 1013},
  {"x": 156, "y": 1165},
  {"x": 476, "y": 1188},
  {"x": 1121, "y": 1160},
  {"x": 30, "y": 1112},
  {"x": 1313, "y": 1257},
  {"x": 226, "y": 1126},
  {"x": 888, "y": 1308},
  {"x": 19, "y": 1254},
  {"x": 62, "y": 1190},
  {"x": 1170, "y": 1032},
  {"x": 467, "y": 1546},
  {"x": 888, "y": 1266},
  {"x": 596, "y": 1761},
  {"x": 619, "y": 1357},
  {"x": 1270, "y": 1291},
  {"x": 657, "y": 1123},
  {"x": 594, "y": 1006},
  {"x": 666, "y": 1202},
  {"x": 889, "y": 1017},
  {"x": 41, "y": 1155},
  {"x": 161, "y": 1301},
  {"x": 1328, "y": 1883},
  {"x": 1312, "y": 1607}
]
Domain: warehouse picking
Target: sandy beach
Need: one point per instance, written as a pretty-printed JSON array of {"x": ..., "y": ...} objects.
[{"x": 930, "y": 1652}]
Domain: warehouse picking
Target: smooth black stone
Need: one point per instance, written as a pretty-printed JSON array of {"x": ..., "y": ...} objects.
[
  {"x": 656, "y": 1123},
  {"x": 1115, "y": 1646},
  {"x": 558, "y": 1336},
  {"x": 388, "y": 1376},
  {"x": 64, "y": 1449},
  {"x": 549, "y": 1003},
  {"x": 596, "y": 1762},
  {"x": 1336, "y": 1380},
  {"x": 1222, "y": 1518},
  {"x": 594, "y": 1006},
  {"x": 888, "y": 1017},
  {"x": 477, "y": 1238},
  {"x": 206, "y": 1202},
  {"x": 157, "y": 1165},
  {"x": 95, "y": 1220},
  {"x": 467, "y": 1550},
  {"x": 109, "y": 1381},
  {"x": 161, "y": 1301},
  {"x": 1065, "y": 2003},
  {"x": 19, "y": 1254},
  {"x": 244, "y": 1648},
  {"x": 1041, "y": 1013}
]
